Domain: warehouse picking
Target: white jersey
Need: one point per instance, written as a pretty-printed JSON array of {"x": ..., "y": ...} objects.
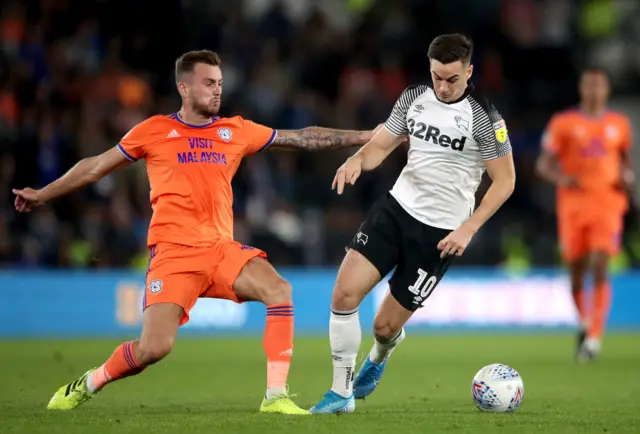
[{"x": 449, "y": 143}]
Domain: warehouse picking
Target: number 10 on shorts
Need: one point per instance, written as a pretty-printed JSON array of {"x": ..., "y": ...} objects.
[{"x": 423, "y": 287}]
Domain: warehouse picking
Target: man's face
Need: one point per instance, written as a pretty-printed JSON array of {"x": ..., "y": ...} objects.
[
  {"x": 450, "y": 79},
  {"x": 594, "y": 88},
  {"x": 202, "y": 89}
]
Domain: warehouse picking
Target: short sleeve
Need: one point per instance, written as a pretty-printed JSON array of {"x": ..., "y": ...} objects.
[
  {"x": 552, "y": 136},
  {"x": 397, "y": 121},
  {"x": 258, "y": 137},
  {"x": 490, "y": 131},
  {"x": 133, "y": 144}
]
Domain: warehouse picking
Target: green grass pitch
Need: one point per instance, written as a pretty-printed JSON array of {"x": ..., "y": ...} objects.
[{"x": 216, "y": 385}]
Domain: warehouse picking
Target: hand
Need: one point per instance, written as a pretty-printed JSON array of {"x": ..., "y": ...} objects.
[
  {"x": 456, "y": 242},
  {"x": 347, "y": 173},
  {"x": 568, "y": 181},
  {"x": 27, "y": 199},
  {"x": 627, "y": 180}
]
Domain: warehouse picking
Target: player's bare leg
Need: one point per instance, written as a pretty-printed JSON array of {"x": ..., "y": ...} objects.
[
  {"x": 357, "y": 276},
  {"x": 388, "y": 329},
  {"x": 159, "y": 328},
  {"x": 600, "y": 310},
  {"x": 259, "y": 281},
  {"x": 577, "y": 271}
]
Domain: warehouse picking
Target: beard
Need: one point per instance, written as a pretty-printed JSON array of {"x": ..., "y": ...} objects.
[{"x": 208, "y": 110}]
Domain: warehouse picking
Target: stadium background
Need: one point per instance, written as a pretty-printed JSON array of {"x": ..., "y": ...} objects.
[{"x": 76, "y": 76}]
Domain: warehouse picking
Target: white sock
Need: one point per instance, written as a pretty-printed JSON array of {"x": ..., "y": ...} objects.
[
  {"x": 345, "y": 336},
  {"x": 274, "y": 391},
  {"x": 593, "y": 345},
  {"x": 90, "y": 386},
  {"x": 382, "y": 350}
]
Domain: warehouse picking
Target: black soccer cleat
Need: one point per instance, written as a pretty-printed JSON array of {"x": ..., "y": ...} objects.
[
  {"x": 580, "y": 338},
  {"x": 585, "y": 354}
]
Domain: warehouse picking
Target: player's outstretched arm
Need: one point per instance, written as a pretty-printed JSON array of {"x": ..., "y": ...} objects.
[
  {"x": 367, "y": 158},
  {"x": 86, "y": 171},
  {"x": 317, "y": 139},
  {"x": 378, "y": 148}
]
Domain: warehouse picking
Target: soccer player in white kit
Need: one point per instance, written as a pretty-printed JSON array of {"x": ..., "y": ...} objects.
[{"x": 425, "y": 221}]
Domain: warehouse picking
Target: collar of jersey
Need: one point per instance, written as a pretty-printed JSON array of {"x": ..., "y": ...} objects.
[
  {"x": 587, "y": 116},
  {"x": 176, "y": 116}
]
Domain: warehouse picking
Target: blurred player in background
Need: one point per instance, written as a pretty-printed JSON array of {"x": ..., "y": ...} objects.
[
  {"x": 425, "y": 221},
  {"x": 585, "y": 153},
  {"x": 191, "y": 157}
]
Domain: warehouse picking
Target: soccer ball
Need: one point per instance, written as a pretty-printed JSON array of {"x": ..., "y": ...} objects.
[{"x": 497, "y": 388}]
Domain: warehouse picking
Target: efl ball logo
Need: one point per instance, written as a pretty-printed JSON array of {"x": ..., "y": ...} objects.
[
  {"x": 517, "y": 399},
  {"x": 478, "y": 389}
]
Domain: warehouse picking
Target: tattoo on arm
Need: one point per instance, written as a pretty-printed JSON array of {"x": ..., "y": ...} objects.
[{"x": 316, "y": 138}]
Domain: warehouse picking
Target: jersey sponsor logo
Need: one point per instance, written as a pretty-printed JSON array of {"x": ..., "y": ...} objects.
[
  {"x": 205, "y": 157},
  {"x": 225, "y": 134},
  {"x": 432, "y": 134},
  {"x": 500, "y": 129},
  {"x": 200, "y": 143},
  {"x": 594, "y": 148},
  {"x": 155, "y": 286}
]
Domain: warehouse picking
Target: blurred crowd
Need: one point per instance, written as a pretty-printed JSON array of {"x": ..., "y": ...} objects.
[{"x": 75, "y": 76}]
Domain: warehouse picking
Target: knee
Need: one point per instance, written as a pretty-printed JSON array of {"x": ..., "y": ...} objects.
[
  {"x": 600, "y": 272},
  {"x": 577, "y": 277},
  {"x": 384, "y": 329},
  {"x": 345, "y": 298},
  {"x": 153, "y": 350},
  {"x": 278, "y": 293}
]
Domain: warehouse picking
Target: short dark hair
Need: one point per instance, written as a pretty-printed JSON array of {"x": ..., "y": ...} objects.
[
  {"x": 190, "y": 59},
  {"x": 592, "y": 69},
  {"x": 451, "y": 48}
]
